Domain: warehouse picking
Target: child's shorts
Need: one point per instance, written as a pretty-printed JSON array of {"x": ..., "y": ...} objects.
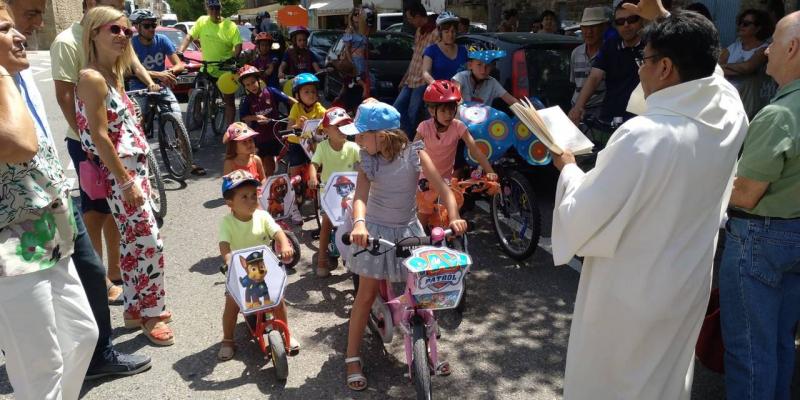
[{"x": 296, "y": 155}]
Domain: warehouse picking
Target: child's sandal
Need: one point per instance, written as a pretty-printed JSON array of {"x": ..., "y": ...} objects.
[
  {"x": 226, "y": 350},
  {"x": 356, "y": 381}
]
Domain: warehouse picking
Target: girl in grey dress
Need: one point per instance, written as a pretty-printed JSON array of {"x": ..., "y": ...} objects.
[{"x": 384, "y": 206}]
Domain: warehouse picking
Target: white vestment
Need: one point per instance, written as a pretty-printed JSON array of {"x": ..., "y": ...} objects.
[{"x": 646, "y": 219}]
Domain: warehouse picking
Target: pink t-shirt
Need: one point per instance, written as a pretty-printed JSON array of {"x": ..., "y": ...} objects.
[{"x": 442, "y": 146}]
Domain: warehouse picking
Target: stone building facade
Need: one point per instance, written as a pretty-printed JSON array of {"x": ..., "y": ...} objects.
[{"x": 59, "y": 16}]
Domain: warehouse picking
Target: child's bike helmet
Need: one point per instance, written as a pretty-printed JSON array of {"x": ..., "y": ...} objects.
[
  {"x": 303, "y": 80},
  {"x": 445, "y": 17},
  {"x": 248, "y": 70},
  {"x": 263, "y": 36},
  {"x": 294, "y": 30},
  {"x": 488, "y": 54},
  {"x": 442, "y": 91}
]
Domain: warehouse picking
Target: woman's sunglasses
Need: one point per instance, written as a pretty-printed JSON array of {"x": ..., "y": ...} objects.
[
  {"x": 630, "y": 20},
  {"x": 117, "y": 29}
]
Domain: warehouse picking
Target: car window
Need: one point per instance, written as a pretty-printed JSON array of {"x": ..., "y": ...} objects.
[
  {"x": 548, "y": 75},
  {"x": 324, "y": 40},
  {"x": 391, "y": 47}
]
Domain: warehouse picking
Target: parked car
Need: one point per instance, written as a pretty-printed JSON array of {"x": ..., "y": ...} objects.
[
  {"x": 320, "y": 41},
  {"x": 169, "y": 19},
  {"x": 388, "y": 59},
  {"x": 473, "y": 27},
  {"x": 184, "y": 26},
  {"x": 185, "y": 80}
]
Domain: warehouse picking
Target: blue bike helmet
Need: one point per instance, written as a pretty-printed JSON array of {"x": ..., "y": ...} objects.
[
  {"x": 484, "y": 53},
  {"x": 302, "y": 80}
]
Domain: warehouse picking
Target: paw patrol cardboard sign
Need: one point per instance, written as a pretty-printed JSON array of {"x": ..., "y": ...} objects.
[
  {"x": 277, "y": 197},
  {"x": 438, "y": 276},
  {"x": 255, "y": 279},
  {"x": 309, "y": 129},
  {"x": 338, "y": 194}
]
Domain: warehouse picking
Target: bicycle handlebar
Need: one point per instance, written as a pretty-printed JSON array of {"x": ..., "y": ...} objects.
[
  {"x": 142, "y": 92},
  {"x": 411, "y": 241}
]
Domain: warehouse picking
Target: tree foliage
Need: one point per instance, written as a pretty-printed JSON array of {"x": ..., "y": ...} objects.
[{"x": 190, "y": 10}]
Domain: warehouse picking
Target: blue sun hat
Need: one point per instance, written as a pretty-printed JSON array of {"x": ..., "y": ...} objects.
[{"x": 372, "y": 116}]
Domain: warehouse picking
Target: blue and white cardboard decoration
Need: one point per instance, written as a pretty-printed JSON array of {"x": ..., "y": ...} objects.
[
  {"x": 255, "y": 280},
  {"x": 438, "y": 276},
  {"x": 338, "y": 194}
]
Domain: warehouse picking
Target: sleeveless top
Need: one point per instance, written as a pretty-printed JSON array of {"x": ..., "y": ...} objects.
[
  {"x": 251, "y": 167},
  {"x": 123, "y": 126},
  {"x": 393, "y": 186}
]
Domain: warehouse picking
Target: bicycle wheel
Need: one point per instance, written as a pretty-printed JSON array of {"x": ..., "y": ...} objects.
[
  {"x": 217, "y": 114},
  {"x": 158, "y": 196},
  {"x": 176, "y": 148},
  {"x": 295, "y": 246},
  {"x": 516, "y": 216},
  {"x": 422, "y": 373},
  {"x": 195, "y": 115},
  {"x": 278, "y": 354}
]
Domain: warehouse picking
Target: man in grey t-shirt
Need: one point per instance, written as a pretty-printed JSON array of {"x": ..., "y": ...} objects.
[
  {"x": 477, "y": 85},
  {"x": 593, "y": 24}
]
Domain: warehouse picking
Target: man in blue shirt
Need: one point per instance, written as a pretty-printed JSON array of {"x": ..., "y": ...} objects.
[{"x": 153, "y": 49}]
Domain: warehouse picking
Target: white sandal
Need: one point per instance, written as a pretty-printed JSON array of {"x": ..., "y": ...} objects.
[{"x": 357, "y": 377}]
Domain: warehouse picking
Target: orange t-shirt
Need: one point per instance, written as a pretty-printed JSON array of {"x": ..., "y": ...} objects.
[
  {"x": 441, "y": 147},
  {"x": 251, "y": 167}
]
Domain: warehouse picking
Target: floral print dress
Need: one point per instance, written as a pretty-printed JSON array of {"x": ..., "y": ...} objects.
[{"x": 141, "y": 249}]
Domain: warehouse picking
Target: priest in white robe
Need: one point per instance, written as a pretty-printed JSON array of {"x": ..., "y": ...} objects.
[{"x": 645, "y": 219}]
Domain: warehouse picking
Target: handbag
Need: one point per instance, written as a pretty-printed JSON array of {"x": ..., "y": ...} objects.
[
  {"x": 92, "y": 179},
  {"x": 709, "y": 349}
]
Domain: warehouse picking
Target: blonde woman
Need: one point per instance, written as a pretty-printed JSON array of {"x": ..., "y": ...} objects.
[{"x": 110, "y": 135}]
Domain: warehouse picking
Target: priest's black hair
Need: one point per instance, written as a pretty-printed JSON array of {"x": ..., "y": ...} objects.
[{"x": 689, "y": 40}]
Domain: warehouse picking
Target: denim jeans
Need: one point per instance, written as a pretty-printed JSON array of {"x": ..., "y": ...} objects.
[
  {"x": 166, "y": 95},
  {"x": 92, "y": 274},
  {"x": 759, "y": 282},
  {"x": 409, "y": 105}
]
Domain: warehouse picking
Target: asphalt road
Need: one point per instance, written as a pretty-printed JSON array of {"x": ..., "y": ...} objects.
[{"x": 510, "y": 343}]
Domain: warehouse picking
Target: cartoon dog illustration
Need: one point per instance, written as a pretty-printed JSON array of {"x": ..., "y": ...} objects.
[
  {"x": 344, "y": 187},
  {"x": 277, "y": 192},
  {"x": 254, "y": 285}
]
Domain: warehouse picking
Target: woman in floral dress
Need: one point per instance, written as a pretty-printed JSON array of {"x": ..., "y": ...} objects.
[
  {"x": 109, "y": 132},
  {"x": 46, "y": 326}
]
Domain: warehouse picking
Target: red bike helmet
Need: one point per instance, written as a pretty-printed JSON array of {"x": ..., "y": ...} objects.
[
  {"x": 248, "y": 70},
  {"x": 442, "y": 91},
  {"x": 261, "y": 36}
]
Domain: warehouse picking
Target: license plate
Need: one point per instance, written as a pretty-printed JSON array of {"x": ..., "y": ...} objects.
[{"x": 183, "y": 79}]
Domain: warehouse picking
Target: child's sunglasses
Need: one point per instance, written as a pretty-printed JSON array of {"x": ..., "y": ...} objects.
[{"x": 116, "y": 29}]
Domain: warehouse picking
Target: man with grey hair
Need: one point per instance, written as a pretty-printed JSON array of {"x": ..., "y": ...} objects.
[
  {"x": 593, "y": 23},
  {"x": 759, "y": 277}
]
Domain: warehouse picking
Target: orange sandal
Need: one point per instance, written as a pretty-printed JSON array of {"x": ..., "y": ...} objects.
[
  {"x": 134, "y": 321},
  {"x": 159, "y": 335}
]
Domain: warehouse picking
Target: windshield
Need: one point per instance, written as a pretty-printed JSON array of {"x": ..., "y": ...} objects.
[
  {"x": 325, "y": 40},
  {"x": 176, "y": 37},
  {"x": 391, "y": 47},
  {"x": 548, "y": 74}
]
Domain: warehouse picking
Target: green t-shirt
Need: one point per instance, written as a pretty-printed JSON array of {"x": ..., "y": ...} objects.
[
  {"x": 771, "y": 154},
  {"x": 335, "y": 161},
  {"x": 241, "y": 235},
  {"x": 217, "y": 41}
]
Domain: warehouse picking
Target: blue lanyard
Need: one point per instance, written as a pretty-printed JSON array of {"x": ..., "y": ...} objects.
[{"x": 31, "y": 107}]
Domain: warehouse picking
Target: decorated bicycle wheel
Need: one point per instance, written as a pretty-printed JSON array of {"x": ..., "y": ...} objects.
[
  {"x": 528, "y": 145},
  {"x": 491, "y": 129}
]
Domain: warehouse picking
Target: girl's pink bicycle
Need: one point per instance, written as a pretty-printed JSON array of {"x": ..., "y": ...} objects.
[{"x": 435, "y": 281}]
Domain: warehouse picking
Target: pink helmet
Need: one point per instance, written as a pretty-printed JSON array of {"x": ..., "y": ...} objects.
[{"x": 246, "y": 71}]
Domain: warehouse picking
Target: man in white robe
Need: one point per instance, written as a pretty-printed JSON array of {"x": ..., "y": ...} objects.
[{"x": 646, "y": 219}]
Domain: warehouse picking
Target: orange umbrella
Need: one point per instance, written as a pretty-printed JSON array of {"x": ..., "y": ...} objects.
[{"x": 293, "y": 16}]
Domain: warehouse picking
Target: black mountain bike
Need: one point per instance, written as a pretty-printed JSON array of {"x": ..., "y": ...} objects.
[
  {"x": 206, "y": 107},
  {"x": 173, "y": 138}
]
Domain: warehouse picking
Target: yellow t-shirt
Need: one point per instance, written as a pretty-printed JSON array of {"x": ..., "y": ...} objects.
[
  {"x": 67, "y": 58},
  {"x": 297, "y": 111},
  {"x": 241, "y": 235},
  {"x": 335, "y": 161},
  {"x": 217, "y": 41}
]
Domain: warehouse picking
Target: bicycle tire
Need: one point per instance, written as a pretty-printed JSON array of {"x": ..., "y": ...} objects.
[
  {"x": 277, "y": 351},
  {"x": 195, "y": 115},
  {"x": 421, "y": 367},
  {"x": 175, "y": 142},
  {"x": 218, "y": 115},
  {"x": 295, "y": 246},
  {"x": 158, "y": 195},
  {"x": 518, "y": 195}
]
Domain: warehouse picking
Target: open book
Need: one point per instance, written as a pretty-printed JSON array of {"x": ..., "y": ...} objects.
[{"x": 553, "y": 128}]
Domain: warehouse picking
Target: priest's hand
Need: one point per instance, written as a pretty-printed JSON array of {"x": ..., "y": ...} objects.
[
  {"x": 647, "y": 9},
  {"x": 565, "y": 158}
]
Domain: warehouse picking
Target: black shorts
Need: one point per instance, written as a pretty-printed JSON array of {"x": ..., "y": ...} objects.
[
  {"x": 77, "y": 155},
  {"x": 296, "y": 155}
]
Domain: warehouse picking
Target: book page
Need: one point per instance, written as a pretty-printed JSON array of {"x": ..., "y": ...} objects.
[{"x": 553, "y": 128}]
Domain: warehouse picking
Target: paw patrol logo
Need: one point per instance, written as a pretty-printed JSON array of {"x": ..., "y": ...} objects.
[
  {"x": 438, "y": 268},
  {"x": 438, "y": 280}
]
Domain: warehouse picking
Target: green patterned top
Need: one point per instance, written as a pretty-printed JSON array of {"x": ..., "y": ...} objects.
[{"x": 37, "y": 228}]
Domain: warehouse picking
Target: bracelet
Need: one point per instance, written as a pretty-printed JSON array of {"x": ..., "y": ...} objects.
[
  {"x": 357, "y": 220},
  {"x": 127, "y": 185}
]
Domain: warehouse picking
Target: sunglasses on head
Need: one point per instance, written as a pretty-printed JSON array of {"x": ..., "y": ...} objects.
[
  {"x": 117, "y": 29},
  {"x": 630, "y": 20},
  {"x": 151, "y": 25}
]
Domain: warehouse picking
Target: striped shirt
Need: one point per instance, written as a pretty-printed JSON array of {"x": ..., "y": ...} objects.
[
  {"x": 423, "y": 38},
  {"x": 580, "y": 67}
]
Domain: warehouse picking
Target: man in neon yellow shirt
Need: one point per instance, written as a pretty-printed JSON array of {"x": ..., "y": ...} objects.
[{"x": 219, "y": 40}]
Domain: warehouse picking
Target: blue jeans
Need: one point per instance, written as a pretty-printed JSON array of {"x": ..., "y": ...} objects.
[
  {"x": 759, "y": 283},
  {"x": 92, "y": 273},
  {"x": 166, "y": 95},
  {"x": 409, "y": 104}
]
